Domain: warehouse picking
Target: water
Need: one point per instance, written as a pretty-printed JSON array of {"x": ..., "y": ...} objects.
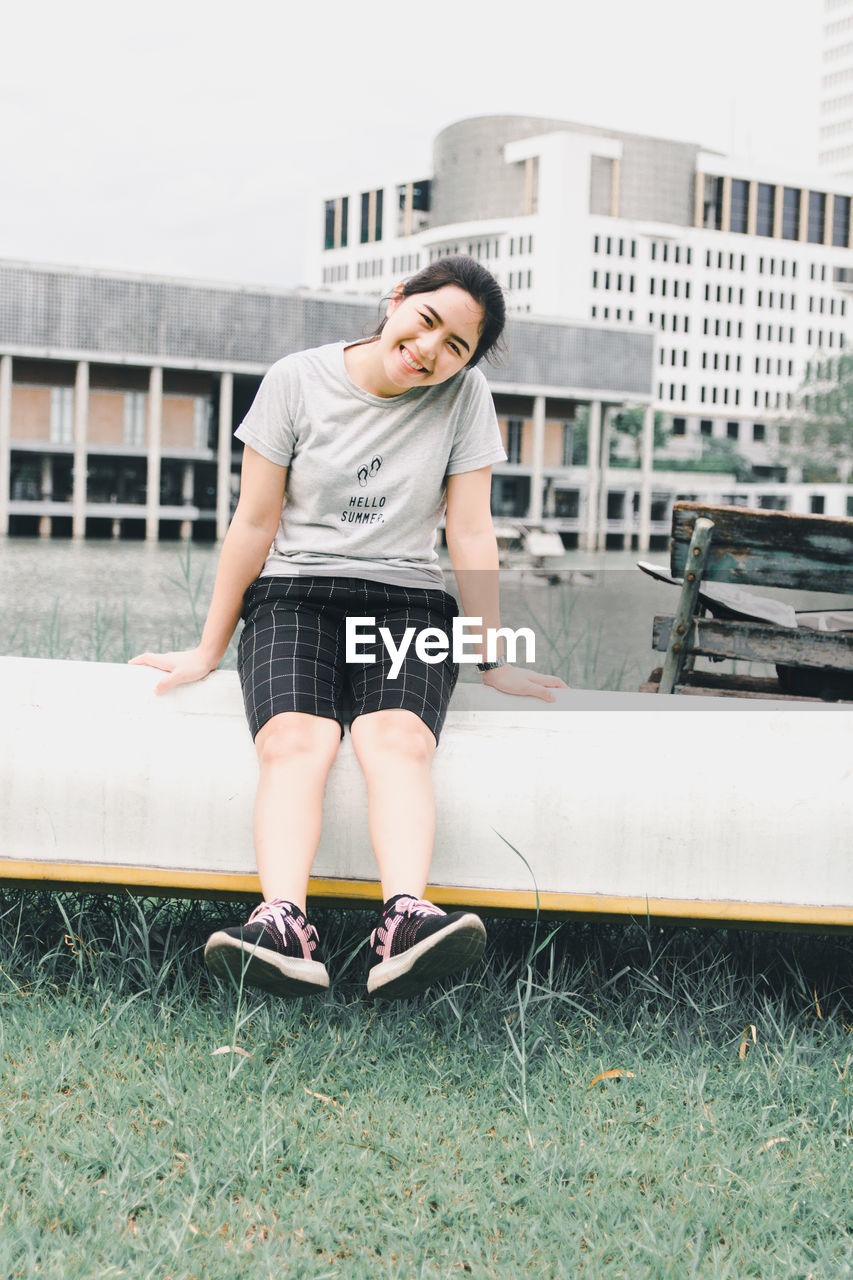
[{"x": 106, "y": 601}]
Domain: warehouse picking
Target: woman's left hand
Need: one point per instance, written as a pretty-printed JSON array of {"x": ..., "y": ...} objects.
[{"x": 525, "y": 683}]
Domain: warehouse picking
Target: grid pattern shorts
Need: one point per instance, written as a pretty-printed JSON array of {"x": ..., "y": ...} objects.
[{"x": 292, "y": 651}]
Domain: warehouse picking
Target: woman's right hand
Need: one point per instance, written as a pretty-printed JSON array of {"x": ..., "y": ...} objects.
[{"x": 183, "y": 667}]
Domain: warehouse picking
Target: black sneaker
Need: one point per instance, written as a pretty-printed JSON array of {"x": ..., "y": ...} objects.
[
  {"x": 277, "y": 950},
  {"x": 416, "y": 942}
]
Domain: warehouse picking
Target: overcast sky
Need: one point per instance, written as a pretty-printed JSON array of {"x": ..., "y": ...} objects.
[{"x": 199, "y": 139}]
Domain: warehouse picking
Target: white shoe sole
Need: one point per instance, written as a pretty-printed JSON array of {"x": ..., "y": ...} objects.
[
  {"x": 455, "y": 947},
  {"x": 258, "y": 966}
]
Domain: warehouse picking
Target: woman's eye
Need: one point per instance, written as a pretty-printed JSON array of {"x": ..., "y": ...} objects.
[
  {"x": 454, "y": 348},
  {"x": 427, "y": 318}
]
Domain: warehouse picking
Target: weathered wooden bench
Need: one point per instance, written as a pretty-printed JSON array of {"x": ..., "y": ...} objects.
[{"x": 742, "y": 546}]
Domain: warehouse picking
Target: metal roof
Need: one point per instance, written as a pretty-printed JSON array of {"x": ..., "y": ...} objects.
[{"x": 62, "y": 312}]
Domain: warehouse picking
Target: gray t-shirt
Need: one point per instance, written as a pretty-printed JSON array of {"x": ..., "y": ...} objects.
[{"x": 366, "y": 474}]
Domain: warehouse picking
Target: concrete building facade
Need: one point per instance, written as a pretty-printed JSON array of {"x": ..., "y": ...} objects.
[
  {"x": 743, "y": 272},
  {"x": 119, "y": 395},
  {"x": 835, "y": 128}
]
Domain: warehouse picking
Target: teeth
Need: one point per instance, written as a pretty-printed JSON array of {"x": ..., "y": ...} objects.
[{"x": 416, "y": 368}]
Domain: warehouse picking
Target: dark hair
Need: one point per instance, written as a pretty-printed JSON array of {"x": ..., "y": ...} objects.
[{"x": 467, "y": 274}]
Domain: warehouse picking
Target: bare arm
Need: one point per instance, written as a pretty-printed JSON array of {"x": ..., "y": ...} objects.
[
  {"x": 244, "y": 551},
  {"x": 473, "y": 552}
]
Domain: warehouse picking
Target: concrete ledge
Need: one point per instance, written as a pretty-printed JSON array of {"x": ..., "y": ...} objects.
[{"x": 688, "y": 808}]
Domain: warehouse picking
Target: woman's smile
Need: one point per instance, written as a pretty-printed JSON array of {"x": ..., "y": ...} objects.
[{"x": 410, "y": 361}]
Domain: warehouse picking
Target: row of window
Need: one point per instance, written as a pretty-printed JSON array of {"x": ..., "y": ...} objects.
[
  {"x": 720, "y": 395},
  {"x": 520, "y": 245},
  {"x": 772, "y": 203},
  {"x": 678, "y": 324},
  {"x": 135, "y": 408},
  {"x": 716, "y": 293},
  {"x": 405, "y": 262},
  {"x": 514, "y": 431},
  {"x": 415, "y": 196},
  {"x": 520, "y": 280},
  {"x": 614, "y": 245},
  {"x": 706, "y": 428},
  {"x": 336, "y": 274},
  {"x": 604, "y": 313},
  {"x": 675, "y": 391},
  {"x": 369, "y": 270},
  {"x": 613, "y": 280}
]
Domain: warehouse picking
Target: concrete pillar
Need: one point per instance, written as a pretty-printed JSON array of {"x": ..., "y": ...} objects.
[
  {"x": 828, "y": 216},
  {"x": 726, "y": 220},
  {"x": 223, "y": 455},
  {"x": 699, "y": 200},
  {"x": 154, "y": 443},
  {"x": 537, "y": 474},
  {"x": 615, "y": 185},
  {"x": 588, "y": 539},
  {"x": 646, "y": 456},
  {"x": 5, "y": 440},
  {"x": 46, "y": 523},
  {"x": 752, "y": 209},
  {"x": 81, "y": 430},
  {"x": 777, "y": 211},
  {"x": 628, "y": 521},
  {"x": 803, "y": 233},
  {"x": 604, "y": 455},
  {"x": 187, "y": 497}
]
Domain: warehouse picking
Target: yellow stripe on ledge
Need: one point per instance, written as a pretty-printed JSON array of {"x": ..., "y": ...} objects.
[{"x": 163, "y": 880}]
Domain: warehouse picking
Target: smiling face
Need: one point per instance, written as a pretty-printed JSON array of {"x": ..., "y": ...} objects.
[{"x": 427, "y": 337}]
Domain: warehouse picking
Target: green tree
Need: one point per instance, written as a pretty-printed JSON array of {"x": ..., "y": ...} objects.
[
  {"x": 629, "y": 423},
  {"x": 817, "y": 433}
]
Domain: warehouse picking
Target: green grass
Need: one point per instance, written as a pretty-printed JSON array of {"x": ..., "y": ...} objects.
[
  {"x": 457, "y": 1134},
  {"x": 462, "y": 1133}
]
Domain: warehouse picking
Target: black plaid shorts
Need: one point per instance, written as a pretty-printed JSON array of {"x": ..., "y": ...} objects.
[{"x": 292, "y": 650}]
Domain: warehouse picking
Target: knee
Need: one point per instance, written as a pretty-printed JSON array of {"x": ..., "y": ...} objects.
[
  {"x": 303, "y": 740},
  {"x": 398, "y": 736}
]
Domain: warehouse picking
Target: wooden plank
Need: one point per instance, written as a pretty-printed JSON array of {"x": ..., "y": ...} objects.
[
  {"x": 677, "y": 649},
  {"x": 768, "y": 548},
  {"x": 761, "y": 642},
  {"x": 713, "y": 684}
]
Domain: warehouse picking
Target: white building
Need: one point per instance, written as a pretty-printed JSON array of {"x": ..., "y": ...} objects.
[
  {"x": 741, "y": 269},
  {"x": 835, "y": 131}
]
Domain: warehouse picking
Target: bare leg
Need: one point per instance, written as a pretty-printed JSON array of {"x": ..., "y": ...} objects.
[
  {"x": 295, "y": 753},
  {"x": 395, "y": 751}
]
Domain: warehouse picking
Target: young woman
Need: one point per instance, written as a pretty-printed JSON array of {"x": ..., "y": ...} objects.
[{"x": 353, "y": 452}]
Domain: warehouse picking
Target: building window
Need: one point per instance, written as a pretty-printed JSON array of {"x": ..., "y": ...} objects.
[
  {"x": 733, "y": 430},
  {"x": 201, "y": 422},
  {"x": 817, "y": 504},
  {"x": 513, "y": 439},
  {"x": 759, "y": 431},
  {"x": 841, "y": 221},
  {"x": 765, "y": 205},
  {"x": 790, "y": 213},
  {"x": 62, "y": 415},
  {"x": 817, "y": 214},
  {"x": 371, "y": 216},
  {"x": 706, "y": 427},
  {"x": 712, "y": 214},
  {"x": 134, "y": 418},
  {"x": 740, "y": 203},
  {"x": 568, "y": 443},
  {"x": 336, "y": 223}
]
